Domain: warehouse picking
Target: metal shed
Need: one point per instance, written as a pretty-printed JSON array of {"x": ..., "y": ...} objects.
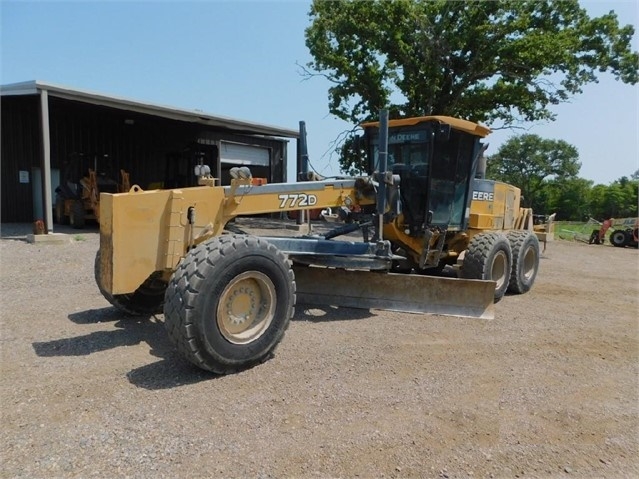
[{"x": 44, "y": 124}]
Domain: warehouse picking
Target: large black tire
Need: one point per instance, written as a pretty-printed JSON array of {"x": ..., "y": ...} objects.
[
  {"x": 229, "y": 303},
  {"x": 489, "y": 257},
  {"x": 525, "y": 248},
  {"x": 619, "y": 238},
  {"x": 147, "y": 300},
  {"x": 60, "y": 217},
  {"x": 78, "y": 215}
]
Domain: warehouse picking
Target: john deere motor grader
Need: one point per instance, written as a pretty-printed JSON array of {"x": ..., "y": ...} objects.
[{"x": 228, "y": 298}]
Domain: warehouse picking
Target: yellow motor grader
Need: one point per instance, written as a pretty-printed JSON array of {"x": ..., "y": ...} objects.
[
  {"x": 228, "y": 298},
  {"x": 78, "y": 195}
]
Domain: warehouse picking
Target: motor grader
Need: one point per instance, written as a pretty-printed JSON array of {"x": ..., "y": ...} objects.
[
  {"x": 78, "y": 195},
  {"x": 228, "y": 297}
]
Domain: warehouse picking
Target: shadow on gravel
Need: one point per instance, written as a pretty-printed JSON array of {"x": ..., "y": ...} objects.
[
  {"x": 102, "y": 315},
  {"x": 318, "y": 314},
  {"x": 171, "y": 371},
  {"x": 131, "y": 330}
]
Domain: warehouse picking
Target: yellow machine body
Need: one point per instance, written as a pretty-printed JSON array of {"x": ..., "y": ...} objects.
[
  {"x": 142, "y": 232},
  {"x": 425, "y": 216}
]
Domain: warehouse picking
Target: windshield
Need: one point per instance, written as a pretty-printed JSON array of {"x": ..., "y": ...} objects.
[{"x": 406, "y": 146}]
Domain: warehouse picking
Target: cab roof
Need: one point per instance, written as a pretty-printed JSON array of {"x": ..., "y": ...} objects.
[{"x": 456, "y": 123}]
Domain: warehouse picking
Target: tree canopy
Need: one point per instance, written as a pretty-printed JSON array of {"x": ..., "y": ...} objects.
[
  {"x": 505, "y": 61},
  {"x": 546, "y": 172},
  {"x": 527, "y": 160},
  {"x": 501, "y": 62}
]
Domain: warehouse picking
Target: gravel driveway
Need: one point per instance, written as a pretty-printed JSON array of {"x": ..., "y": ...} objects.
[{"x": 549, "y": 388}]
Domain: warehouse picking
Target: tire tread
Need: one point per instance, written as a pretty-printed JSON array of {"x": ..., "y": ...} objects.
[{"x": 183, "y": 291}]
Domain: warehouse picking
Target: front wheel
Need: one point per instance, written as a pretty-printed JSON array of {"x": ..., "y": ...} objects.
[
  {"x": 489, "y": 257},
  {"x": 229, "y": 303},
  {"x": 525, "y": 248}
]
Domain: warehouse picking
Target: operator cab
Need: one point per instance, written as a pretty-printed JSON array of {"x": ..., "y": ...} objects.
[{"x": 435, "y": 158}]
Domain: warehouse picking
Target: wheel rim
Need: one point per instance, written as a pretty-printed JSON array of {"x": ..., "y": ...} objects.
[
  {"x": 499, "y": 269},
  {"x": 528, "y": 265},
  {"x": 246, "y": 307}
]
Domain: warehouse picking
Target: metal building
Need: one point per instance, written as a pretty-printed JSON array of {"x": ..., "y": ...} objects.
[{"x": 44, "y": 126}]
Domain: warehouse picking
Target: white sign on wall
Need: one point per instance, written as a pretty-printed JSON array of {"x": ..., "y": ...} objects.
[{"x": 24, "y": 176}]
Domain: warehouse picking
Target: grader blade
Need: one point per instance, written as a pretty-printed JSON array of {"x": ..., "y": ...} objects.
[{"x": 395, "y": 292}]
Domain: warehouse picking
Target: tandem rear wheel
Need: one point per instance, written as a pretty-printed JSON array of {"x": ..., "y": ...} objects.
[
  {"x": 229, "y": 303},
  {"x": 525, "y": 248},
  {"x": 511, "y": 260},
  {"x": 489, "y": 257}
]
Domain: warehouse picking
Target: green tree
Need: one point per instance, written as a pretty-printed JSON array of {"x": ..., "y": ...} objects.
[
  {"x": 617, "y": 200},
  {"x": 598, "y": 208},
  {"x": 625, "y": 192},
  {"x": 527, "y": 161},
  {"x": 614, "y": 201},
  {"x": 497, "y": 61},
  {"x": 569, "y": 198}
]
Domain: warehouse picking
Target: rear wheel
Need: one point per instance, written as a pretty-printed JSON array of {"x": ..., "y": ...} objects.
[
  {"x": 619, "y": 238},
  {"x": 489, "y": 257},
  {"x": 145, "y": 301},
  {"x": 229, "y": 303},
  {"x": 525, "y": 249},
  {"x": 78, "y": 215}
]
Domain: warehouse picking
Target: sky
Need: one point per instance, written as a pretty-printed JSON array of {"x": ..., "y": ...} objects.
[{"x": 241, "y": 59}]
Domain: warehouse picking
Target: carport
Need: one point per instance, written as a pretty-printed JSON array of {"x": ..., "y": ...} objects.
[{"x": 43, "y": 124}]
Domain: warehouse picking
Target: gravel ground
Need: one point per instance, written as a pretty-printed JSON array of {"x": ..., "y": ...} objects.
[{"x": 549, "y": 388}]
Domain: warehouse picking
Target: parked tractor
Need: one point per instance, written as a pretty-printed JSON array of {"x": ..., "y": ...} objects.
[
  {"x": 625, "y": 232},
  {"x": 228, "y": 297},
  {"x": 78, "y": 195}
]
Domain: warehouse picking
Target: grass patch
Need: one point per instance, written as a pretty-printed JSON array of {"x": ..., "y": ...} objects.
[{"x": 575, "y": 231}]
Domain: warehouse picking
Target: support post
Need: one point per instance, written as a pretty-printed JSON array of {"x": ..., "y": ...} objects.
[{"x": 46, "y": 161}]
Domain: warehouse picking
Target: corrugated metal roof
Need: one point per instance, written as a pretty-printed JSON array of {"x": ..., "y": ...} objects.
[{"x": 193, "y": 116}]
